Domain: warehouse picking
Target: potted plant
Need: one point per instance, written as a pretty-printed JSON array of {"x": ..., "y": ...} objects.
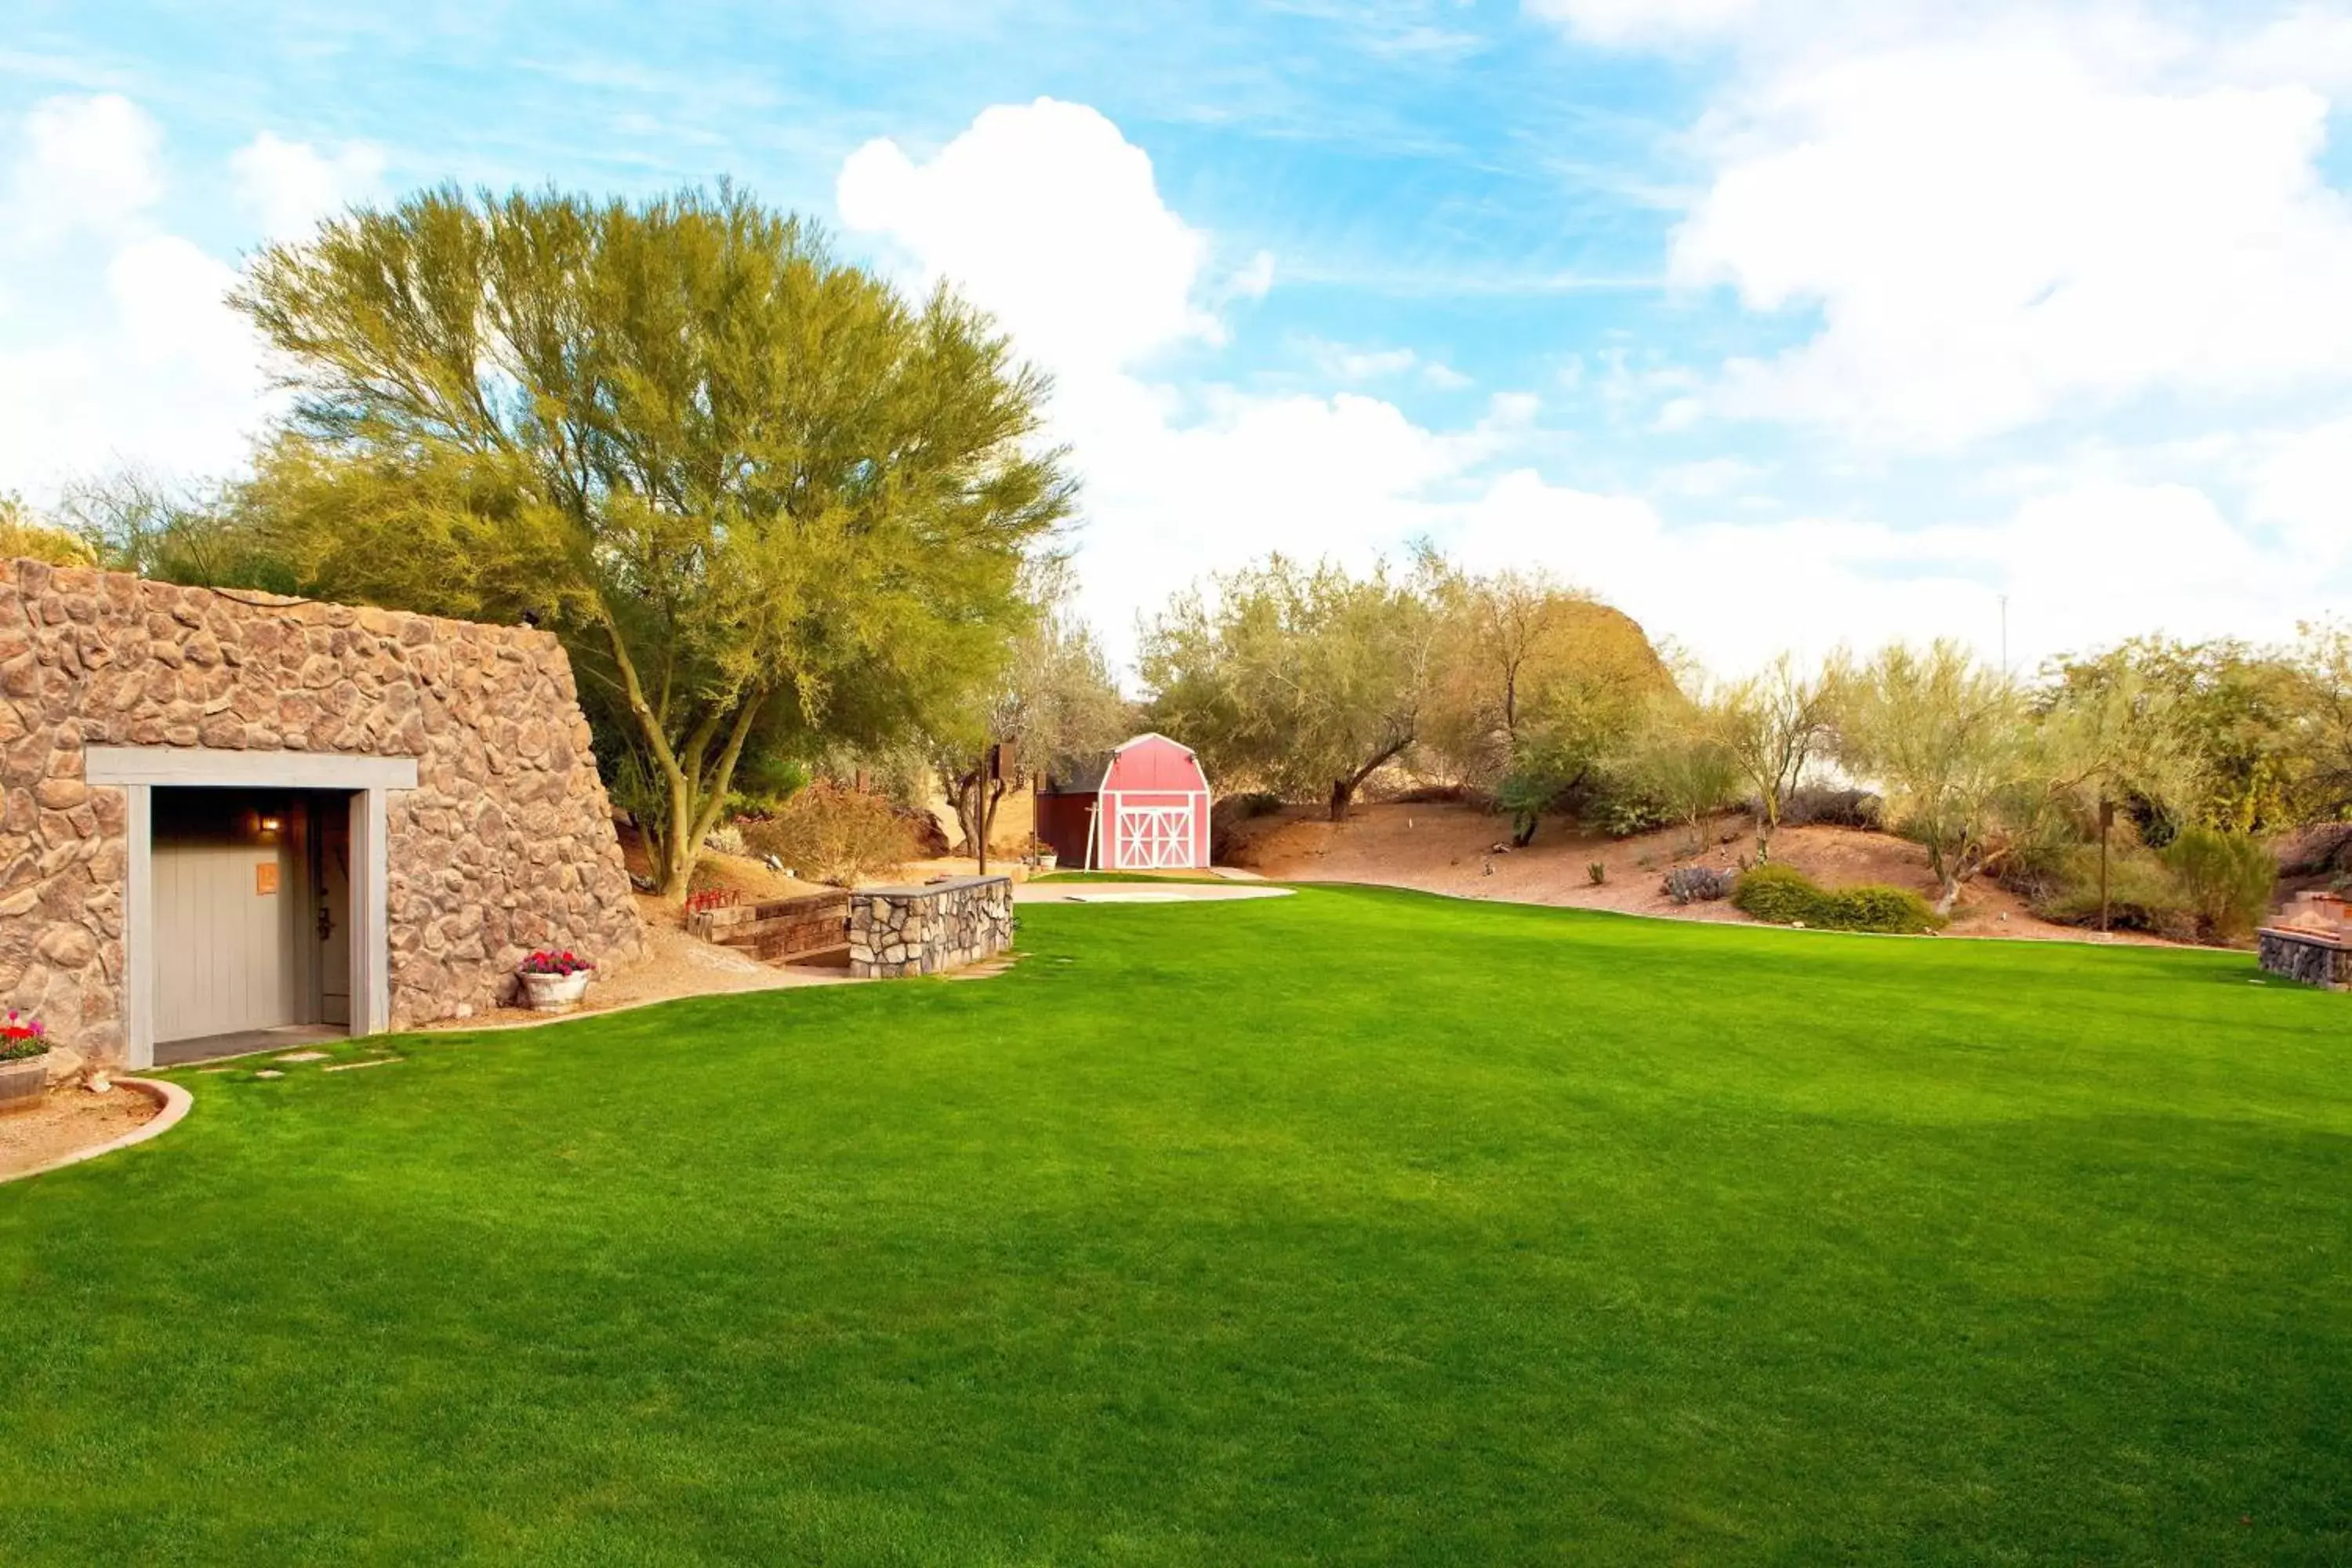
[
  {"x": 1042, "y": 855},
  {"x": 24, "y": 1062},
  {"x": 556, "y": 981}
]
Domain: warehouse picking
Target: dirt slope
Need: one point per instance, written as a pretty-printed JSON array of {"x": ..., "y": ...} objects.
[{"x": 1459, "y": 850}]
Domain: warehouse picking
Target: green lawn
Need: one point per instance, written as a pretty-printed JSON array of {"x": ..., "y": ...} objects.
[{"x": 1352, "y": 1227}]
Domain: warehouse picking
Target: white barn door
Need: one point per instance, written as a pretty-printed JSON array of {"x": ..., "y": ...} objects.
[{"x": 1155, "y": 837}]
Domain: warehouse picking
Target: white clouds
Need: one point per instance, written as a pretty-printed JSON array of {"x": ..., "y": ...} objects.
[
  {"x": 1180, "y": 482},
  {"x": 2302, "y": 487},
  {"x": 1645, "y": 21},
  {"x": 290, "y": 186},
  {"x": 83, "y": 163},
  {"x": 134, "y": 353},
  {"x": 1045, "y": 214},
  {"x": 1254, "y": 280},
  {"x": 2081, "y": 567},
  {"x": 2002, "y": 214},
  {"x": 1995, "y": 234},
  {"x": 1346, "y": 363}
]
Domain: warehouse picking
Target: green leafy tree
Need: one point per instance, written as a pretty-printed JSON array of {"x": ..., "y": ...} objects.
[
  {"x": 1952, "y": 746},
  {"x": 1054, "y": 696},
  {"x": 2231, "y": 717},
  {"x": 1532, "y": 684},
  {"x": 766, "y": 501},
  {"x": 1301, "y": 681},
  {"x": 1773, "y": 725},
  {"x": 2323, "y": 672},
  {"x": 205, "y": 536},
  {"x": 23, "y": 535},
  {"x": 1677, "y": 756}
]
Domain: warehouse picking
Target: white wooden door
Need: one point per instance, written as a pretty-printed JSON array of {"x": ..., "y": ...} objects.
[
  {"x": 1155, "y": 837},
  {"x": 224, "y": 958}
]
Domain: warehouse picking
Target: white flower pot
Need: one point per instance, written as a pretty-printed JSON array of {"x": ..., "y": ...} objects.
[{"x": 555, "y": 993}]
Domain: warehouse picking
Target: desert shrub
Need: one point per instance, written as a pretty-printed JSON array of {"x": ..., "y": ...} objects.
[
  {"x": 763, "y": 782},
  {"x": 2142, "y": 894},
  {"x": 1619, "y": 804},
  {"x": 1431, "y": 795},
  {"x": 1874, "y": 906},
  {"x": 1779, "y": 895},
  {"x": 835, "y": 834},
  {"x": 725, "y": 839},
  {"x": 1697, "y": 884},
  {"x": 2226, "y": 878},
  {"x": 1782, "y": 895},
  {"x": 1596, "y": 872},
  {"x": 1832, "y": 807}
]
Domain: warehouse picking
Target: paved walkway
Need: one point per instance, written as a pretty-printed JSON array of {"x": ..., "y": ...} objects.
[{"x": 1140, "y": 892}]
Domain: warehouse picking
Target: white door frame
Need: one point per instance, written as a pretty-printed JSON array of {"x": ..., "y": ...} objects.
[{"x": 138, "y": 771}]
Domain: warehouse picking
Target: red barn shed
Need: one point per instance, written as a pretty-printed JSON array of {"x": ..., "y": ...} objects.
[{"x": 1143, "y": 808}]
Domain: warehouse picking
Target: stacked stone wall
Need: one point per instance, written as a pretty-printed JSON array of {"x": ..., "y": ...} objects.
[
  {"x": 2312, "y": 958},
  {"x": 506, "y": 844},
  {"x": 897, "y": 932}
]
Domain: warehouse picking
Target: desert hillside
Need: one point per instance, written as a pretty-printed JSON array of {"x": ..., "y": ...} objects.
[{"x": 1445, "y": 847}]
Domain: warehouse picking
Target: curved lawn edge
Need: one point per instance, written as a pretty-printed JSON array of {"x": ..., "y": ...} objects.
[
  {"x": 2100, "y": 941},
  {"x": 175, "y": 1102}
]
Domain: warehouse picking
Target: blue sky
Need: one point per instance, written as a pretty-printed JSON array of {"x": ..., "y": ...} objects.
[{"x": 1782, "y": 323}]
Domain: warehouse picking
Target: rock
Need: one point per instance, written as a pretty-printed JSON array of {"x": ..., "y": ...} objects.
[{"x": 67, "y": 946}]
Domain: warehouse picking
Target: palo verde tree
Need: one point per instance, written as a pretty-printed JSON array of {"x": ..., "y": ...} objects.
[
  {"x": 752, "y": 488},
  {"x": 1676, "y": 756},
  {"x": 1773, "y": 725},
  {"x": 1303, "y": 681},
  {"x": 1951, "y": 744}
]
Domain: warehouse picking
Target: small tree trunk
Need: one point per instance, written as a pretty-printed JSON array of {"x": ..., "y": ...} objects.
[
  {"x": 1343, "y": 795},
  {"x": 1949, "y": 897},
  {"x": 994, "y": 798},
  {"x": 679, "y": 851}
]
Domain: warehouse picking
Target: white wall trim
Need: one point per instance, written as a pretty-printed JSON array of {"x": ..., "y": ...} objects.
[
  {"x": 138, "y": 929},
  {"x": 212, "y": 767},
  {"x": 370, "y": 925}
]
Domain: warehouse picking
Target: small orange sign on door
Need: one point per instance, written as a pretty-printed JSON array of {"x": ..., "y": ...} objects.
[{"x": 265, "y": 877}]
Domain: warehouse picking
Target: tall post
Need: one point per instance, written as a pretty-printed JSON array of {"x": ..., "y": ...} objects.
[
  {"x": 2106, "y": 821},
  {"x": 980, "y": 808}
]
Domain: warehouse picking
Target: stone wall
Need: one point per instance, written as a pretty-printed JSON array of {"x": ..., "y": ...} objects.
[
  {"x": 506, "y": 844},
  {"x": 895, "y": 931},
  {"x": 2311, "y": 957}
]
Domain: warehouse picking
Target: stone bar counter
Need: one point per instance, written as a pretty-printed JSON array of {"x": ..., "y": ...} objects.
[{"x": 929, "y": 928}]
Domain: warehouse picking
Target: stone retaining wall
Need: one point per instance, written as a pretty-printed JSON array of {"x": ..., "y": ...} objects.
[
  {"x": 506, "y": 844},
  {"x": 2311, "y": 957},
  {"x": 895, "y": 931}
]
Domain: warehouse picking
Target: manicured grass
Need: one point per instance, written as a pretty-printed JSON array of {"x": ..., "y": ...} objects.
[{"x": 1352, "y": 1227}]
